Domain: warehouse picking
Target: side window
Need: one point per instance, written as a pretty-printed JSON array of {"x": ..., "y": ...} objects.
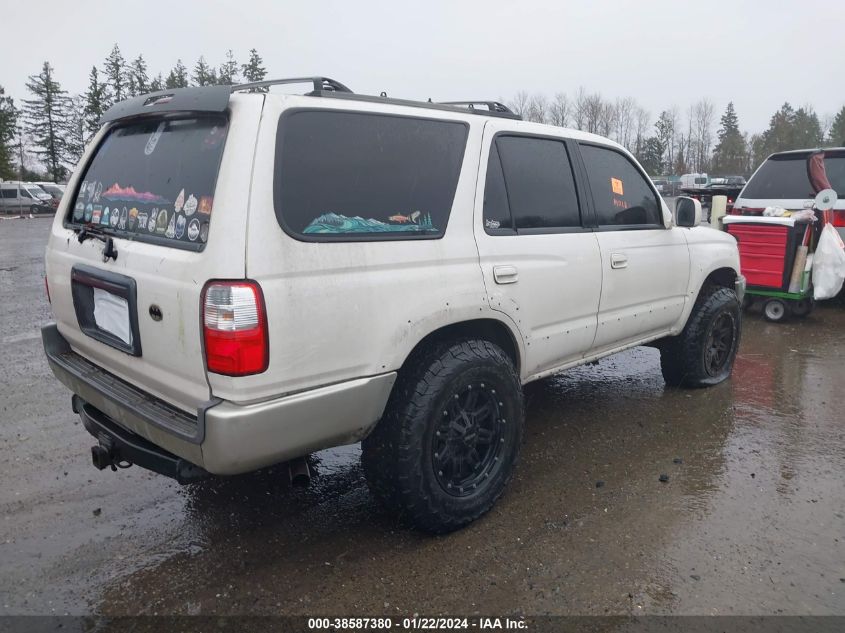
[
  {"x": 9, "y": 193},
  {"x": 24, "y": 193},
  {"x": 361, "y": 176},
  {"x": 540, "y": 184},
  {"x": 497, "y": 213},
  {"x": 621, "y": 193}
]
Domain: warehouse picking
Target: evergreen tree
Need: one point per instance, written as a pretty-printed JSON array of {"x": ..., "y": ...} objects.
[
  {"x": 680, "y": 166},
  {"x": 178, "y": 77},
  {"x": 8, "y": 123},
  {"x": 202, "y": 73},
  {"x": 651, "y": 156},
  {"x": 665, "y": 128},
  {"x": 836, "y": 135},
  {"x": 779, "y": 135},
  {"x": 157, "y": 83},
  {"x": 729, "y": 156},
  {"x": 45, "y": 120},
  {"x": 77, "y": 129},
  {"x": 96, "y": 103},
  {"x": 228, "y": 73},
  {"x": 253, "y": 69},
  {"x": 115, "y": 72},
  {"x": 138, "y": 76},
  {"x": 806, "y": 129}
]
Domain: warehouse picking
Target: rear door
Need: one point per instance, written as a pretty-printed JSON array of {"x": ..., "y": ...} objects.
[
  {"x": 645, "y": 265},
  {"x": 541, "y": 266},
  {"x": 172, "y": 194}
]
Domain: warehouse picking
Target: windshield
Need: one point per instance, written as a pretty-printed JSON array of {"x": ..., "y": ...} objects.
[
  {"x": 54, "y": 190},
  {"x": 785, "y": 177},
  {"x": 37, "y": 192},
  {"x": 153, "y": 181}
]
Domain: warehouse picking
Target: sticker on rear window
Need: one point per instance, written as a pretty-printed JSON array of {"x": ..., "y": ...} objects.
[
  {"x": 150, "y": 147},
  {"x": 190, "y": 205},
  {"x": 180, "y": 201},
  {"x": 194, "y": 230}
]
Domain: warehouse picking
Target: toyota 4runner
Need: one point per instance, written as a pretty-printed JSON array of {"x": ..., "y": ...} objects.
[{"x": 240, "y": 278}]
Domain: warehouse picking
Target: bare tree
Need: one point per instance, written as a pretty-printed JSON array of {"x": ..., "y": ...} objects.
[
  {"x": 537, "y": 109},
  {"x": 519, "y": 104},
  {"x": 579, "y": 109},
  {"x": 624, "y": 120},
  {"x": 703, "y": 113},
  {"x": 560, "y": 110},
  {"x": 642, "y": 122}
]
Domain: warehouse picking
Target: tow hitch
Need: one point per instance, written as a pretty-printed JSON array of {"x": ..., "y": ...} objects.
[{"x": 105, "y": 454}]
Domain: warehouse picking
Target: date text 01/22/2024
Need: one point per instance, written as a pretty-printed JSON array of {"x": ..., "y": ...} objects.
[{"x": 418, "y": 623}]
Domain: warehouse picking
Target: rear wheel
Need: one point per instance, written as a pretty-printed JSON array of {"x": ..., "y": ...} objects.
[
  {"x": 803, "y": 307},
  {"x": 775, "y": 310},
  {"x": 449, "y": 440},
  {"x": 703, "y": 353}
]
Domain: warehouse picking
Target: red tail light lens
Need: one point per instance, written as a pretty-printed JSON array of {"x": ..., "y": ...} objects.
[
  {"x": 838, "y": 218},
  {"x": 235, "y": 328}
]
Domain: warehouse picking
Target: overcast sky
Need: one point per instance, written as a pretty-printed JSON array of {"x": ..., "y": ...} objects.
[{"x": 757, "y": 53}]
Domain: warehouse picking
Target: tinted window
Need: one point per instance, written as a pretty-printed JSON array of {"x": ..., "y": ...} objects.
[
  {"x": 24, "y": 193},
  {"x": 154, "y": 181},
  {"x": 10, "y": 193},
  {"x": 540, "y": 184},
  {"x": 786, "y": 178},
  {"x": 621, "y": 193},
  {"x": 342, "y": 175},
  {"x": 497, "y": 214}
]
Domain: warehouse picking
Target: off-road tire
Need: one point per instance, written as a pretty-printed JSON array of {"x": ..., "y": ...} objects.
[
  {"x": 685, "y": 359},
  {"x": 399, "y": 455}
]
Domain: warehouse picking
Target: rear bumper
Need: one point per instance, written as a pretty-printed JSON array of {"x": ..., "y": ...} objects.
[{"x": 223, "y": 438}]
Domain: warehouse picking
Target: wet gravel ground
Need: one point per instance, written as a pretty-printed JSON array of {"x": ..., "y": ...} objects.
[{"x": 750, "y": 521}]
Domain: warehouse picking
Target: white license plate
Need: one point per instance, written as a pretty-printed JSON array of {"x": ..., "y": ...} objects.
[{"x": 111, "y": 314}]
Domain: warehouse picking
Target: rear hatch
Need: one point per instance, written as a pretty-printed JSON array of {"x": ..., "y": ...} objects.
[
  {"x": 783, "y": 180},
  {"x": 170, "y": 194}
]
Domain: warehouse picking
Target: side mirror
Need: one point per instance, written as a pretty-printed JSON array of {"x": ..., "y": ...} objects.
[{"x": 687, "y": 212}]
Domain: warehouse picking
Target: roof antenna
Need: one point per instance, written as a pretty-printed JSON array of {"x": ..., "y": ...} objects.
[{"x": 383, "y": 94}]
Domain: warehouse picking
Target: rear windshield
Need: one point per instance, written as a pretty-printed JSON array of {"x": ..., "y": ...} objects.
[
  {"x": 153, "y": 181},
  {"x": 785, "y": 177},
  {"x": 355, "y": 176}
]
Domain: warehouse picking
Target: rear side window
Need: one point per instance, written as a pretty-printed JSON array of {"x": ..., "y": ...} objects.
[
  {"x": 539, "y": 182},
  {"x": 621, "y": 193},
  {"x": 362, "y": 176},
  {"x": 786, "y": 177},
  {"x": 154, "y": 181},
  {"x": 10, "y": 193}
]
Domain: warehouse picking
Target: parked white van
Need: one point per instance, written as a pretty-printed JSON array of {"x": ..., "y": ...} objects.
[
  {"x": 240, "y": 278},
  {"x": 23, "y": 197}
]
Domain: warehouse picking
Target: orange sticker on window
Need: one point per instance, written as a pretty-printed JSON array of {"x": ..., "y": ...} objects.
[{"x": 616, "y": 185}]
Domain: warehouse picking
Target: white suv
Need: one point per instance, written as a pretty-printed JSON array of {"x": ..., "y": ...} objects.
[{"x": 240, "y": 278}]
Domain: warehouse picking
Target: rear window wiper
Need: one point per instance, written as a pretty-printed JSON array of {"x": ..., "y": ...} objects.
[{"x": 85, "y": 232}]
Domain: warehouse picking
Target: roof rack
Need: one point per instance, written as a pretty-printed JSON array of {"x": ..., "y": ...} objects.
[
  {"x": 492, "y": 106},
  {"x": 215, "y": 99},
  {"x": 321, "y": 84}
]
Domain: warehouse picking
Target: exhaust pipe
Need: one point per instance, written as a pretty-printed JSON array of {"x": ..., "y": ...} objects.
[{"x": 299, "y": 473}]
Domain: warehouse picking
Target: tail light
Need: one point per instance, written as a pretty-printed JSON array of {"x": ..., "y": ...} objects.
[
  {"x": 838, "y": 218},
  {"x": 235, "y": 328}
]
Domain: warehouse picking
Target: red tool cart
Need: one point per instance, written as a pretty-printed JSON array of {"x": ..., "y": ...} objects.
[{"x": 776, "y": 257}]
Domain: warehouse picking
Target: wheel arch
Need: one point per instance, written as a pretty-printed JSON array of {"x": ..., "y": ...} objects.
[{"x": 489, "y": 329}]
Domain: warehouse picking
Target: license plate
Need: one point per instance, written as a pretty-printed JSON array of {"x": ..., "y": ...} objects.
[{"x": 111, "y": 314}]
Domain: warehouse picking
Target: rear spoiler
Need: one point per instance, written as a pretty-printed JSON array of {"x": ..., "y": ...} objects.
[
  {"x": 207, "y": 98},
  {"x": 203, "y": 99}
]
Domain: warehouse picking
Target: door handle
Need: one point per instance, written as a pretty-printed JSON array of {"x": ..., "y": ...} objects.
[
  {"x": 618, "y": 260},
  {"x": 505, "y": 274}
]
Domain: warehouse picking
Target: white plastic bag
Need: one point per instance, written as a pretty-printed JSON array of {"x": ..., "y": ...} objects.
[{"x": 828, "y": 264}]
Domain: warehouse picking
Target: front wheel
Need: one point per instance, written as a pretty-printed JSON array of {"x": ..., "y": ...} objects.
[
  {"x": 703, "y": 354},
  {"x": 449, "y": 440}
]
